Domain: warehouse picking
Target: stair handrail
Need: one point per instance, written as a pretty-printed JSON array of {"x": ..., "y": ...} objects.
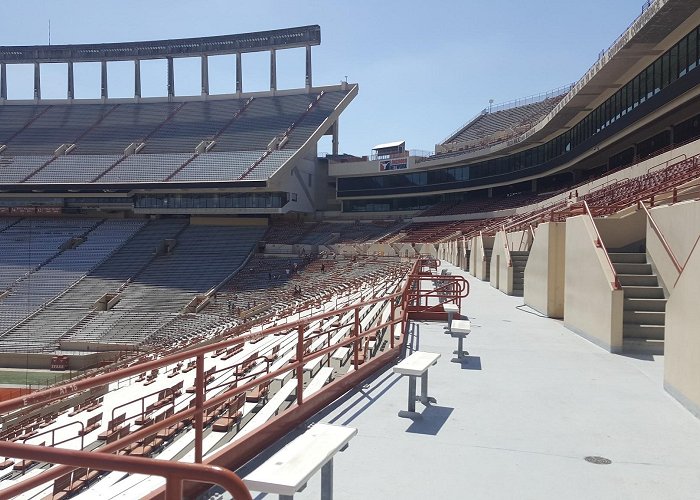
[
  {"x": 505, "y": 245},
  {"x": 692, "y": 250},
  {"x": 599, "y": 243},
  {"x": 661, "y": 237}
]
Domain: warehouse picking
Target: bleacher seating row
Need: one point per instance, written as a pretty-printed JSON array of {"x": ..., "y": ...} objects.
[{"x": 140, "y": 402}]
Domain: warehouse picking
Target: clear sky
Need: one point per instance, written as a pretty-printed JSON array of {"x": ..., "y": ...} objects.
[{"x": 424, "y": 68}]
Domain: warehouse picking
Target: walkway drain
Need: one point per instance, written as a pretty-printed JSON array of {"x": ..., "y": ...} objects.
[{"x": 598, "y": 460}]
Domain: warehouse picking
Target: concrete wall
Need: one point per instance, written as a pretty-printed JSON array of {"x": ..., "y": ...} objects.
[
  {"x": 626, "y": 232},
  {"x": 544, "y": 272},
  {"x": 480, "y": 266},
  {"x": 476, "y": 254},
  {"x": 501, "y": 273},
  {"x": 680, "y": 226},
  {"x": 682, "y": 342},
  {"x": 592, "y": 308}
]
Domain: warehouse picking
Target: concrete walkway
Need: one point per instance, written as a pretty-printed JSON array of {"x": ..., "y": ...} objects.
[{"x": 517, "y": 419}]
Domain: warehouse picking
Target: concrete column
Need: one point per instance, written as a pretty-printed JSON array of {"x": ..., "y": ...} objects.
[
  {"x": 3, "y": 81},
  {"x": 309, "y": 82},
  {"x": 137, "y": 78},
  {"x": 104, "y": 93},
  {"x": 489, "y": 193},
  {"x": 205, "y": 75},
  {"x": 335, "y": 136},
  {"x": 71, "y": 81},
  {"x": 239, "y": 73},
  {"x": 533, "y": 183},
  {"x": 273, "y": 70},
  {"x": 37, "y": 81},
  {"x": 171, "y": 77}
]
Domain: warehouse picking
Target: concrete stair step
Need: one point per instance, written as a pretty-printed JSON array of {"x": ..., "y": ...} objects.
[
  {"x": 638, "y": 279},
  {"x": 635, "y": 330},
  {"x": 642, "y": 346},
  {"x": 518, "y": 280},
  {"x": 646, "y": 292},
  {"x": 635, "y": 258},
  {"x": 644, "y": 317},
  {"x": 632, "y": 268},
  {"x": 520, "y": 253},
  {"x": 644, "y": 304}
]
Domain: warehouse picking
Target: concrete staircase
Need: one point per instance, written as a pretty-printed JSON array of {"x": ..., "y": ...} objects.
[
  {"x": 644, "y": 306},
  {"x": 519, "y": 260}
]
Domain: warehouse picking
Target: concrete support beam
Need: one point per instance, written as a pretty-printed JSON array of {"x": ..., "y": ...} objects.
[
  {"x": 71, "y": 81},
  {"x": 309, "y": 80},
  {"x": 37, "y": 81},
  {"x": 104, "y": 93},
  {"x": 273, "y": 70},
  {"x": 335, "y": 137},
  {"x": 205, "y": 75},
  {"x": 3, "y": 81},
  {"x": 239, "y": 73},
  {"x": 137, "y": 79},
  {"x": 171, "y": 77}
]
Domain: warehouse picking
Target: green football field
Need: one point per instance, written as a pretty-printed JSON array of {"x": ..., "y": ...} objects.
[{"x": 21, "y": 377}]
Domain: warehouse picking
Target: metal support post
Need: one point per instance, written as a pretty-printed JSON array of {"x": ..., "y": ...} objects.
[
  {"x": 239, "y": 73},
  {"x": 273, "y": 70},
  {"x": 171, "y": 77},
  {"x": 103, "y": 80},
  {"x": 71, "y": 81},
  {"x": 300, "y": 368},
  {"x": 327, "y": 481},
  {"x": 199, "y": 404},
  {"x": 205, "y": 75},
  {"x": 37, "y": 81},
  {"x": 137, "y": 79},
  {"x": 309, "y": 81}
]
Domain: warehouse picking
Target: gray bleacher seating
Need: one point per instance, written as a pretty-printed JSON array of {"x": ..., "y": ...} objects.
[
  {"x": 74, "y": 168},
  {"x": 65, "y": 267}
]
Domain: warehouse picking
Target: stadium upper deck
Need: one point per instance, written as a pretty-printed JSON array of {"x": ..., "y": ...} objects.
[{"x": 639, "y": 97}]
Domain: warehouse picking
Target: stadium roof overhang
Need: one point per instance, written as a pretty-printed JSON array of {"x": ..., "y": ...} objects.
[
  {"x": 649, "y": 36},
  {"x": 288, "y": 38}
]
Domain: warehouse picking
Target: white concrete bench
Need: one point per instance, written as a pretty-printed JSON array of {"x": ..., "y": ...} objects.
[
  {"x": 451, "y": 310},
  {"x": 416, "y": 365},
  {"x": 269, "y": 410},
  {"x": 340, "y": 357},
  {"x": 460, "y": 329},
  {"x": 288, "y": 470}
]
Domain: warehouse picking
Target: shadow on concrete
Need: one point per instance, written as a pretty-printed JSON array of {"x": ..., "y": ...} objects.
[
  {"x": 637, "y": 355},
  {"x": 431, "y": 420},
  {"x": 468, "y": 362}
]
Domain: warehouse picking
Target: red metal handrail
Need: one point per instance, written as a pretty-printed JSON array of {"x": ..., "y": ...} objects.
[
  {"x": 198, "y": 352},
  {"x": 661, "y": 237},
  {"x": 175, "y": 473},
  {"x": 599, "y": 243}
]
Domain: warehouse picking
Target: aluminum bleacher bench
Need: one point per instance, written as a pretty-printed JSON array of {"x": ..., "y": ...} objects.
[{"x": 288, "y": 470}]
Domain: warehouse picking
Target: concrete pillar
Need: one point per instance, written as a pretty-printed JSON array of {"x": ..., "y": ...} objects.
[
  {"x": 37, "y": 81},
  {"x": 3, "y": 81},
  {"x": 104, "y": 92},
  {"x": 205, "y": 75},
  {"x": 171, "y": 77},
  {"x": 335, "y": 137},
  {"x": 239, "y": 73},
  {"x": 273, "y": 70},
  {"x": 533, "y": 183},
  {"x": 489, "y": 193},
  {"x": 309, "y": 81},
  {"x": 71, "y": 81},
  {"x": 137, "y": 78}
]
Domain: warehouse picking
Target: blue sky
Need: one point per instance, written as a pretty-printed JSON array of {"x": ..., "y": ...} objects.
[{"x": 424, "y": 68}]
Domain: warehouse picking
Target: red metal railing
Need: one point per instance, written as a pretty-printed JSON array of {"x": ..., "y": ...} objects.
[
  {"x": 241, "y": 451},
  {"x": 662, "y": 239},
  {"x": 175, "y": 473},
  {"x": 599, "y": 243}
]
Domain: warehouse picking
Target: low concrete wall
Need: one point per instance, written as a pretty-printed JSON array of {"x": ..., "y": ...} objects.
[
  {"x": 43, "y": 361},
  {"x": 501, "y": 276},
  {"x": 627, "y": 232},
  {"x": 682, "y": 342},
  {"x": 592, "y": 308},
  {"x": 545, "y": 270},
  {"x": 680, "y": 226}
]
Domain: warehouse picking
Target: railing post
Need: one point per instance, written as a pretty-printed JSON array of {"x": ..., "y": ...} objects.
[
  {"x": 173, "y": 487},
  {"x": 300, "y": 368},
  {"x": 199, "y": 415},
  {"x": 392, "y": 326},
  {"x": 356, "y": 333}
]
